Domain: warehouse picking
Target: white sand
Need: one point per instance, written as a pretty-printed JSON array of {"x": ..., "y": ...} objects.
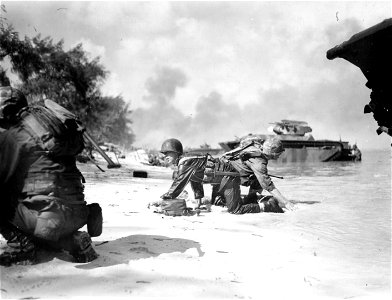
[{"x": 144, "y": 254}]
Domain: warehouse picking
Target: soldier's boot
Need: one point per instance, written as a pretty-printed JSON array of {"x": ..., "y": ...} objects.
[
  {"x": 272, "y": 205},
  {"x": 219, "y": 201},
  {"x": 82, "y": 249},
  {"x": 21, "y": 249},
  {"x": 250, "y": 198}
]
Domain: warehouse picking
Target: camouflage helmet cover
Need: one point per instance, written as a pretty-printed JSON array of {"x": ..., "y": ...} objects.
[
  {"x": 250, "y": 139},
  {"x": 172, "y": 145},
  {"x": 273, "y": 146},
  {"x": 11, "y": 102}
]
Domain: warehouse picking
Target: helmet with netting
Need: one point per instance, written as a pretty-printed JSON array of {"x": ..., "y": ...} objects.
[
  {"x": 250, "y": 139},
  {"x": 273, "y": 146}
]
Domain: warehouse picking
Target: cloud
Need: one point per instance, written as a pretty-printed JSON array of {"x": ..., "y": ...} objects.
[
  {"x": 93, "y": 50},
  {"x": 102, "y": 15},
  {"x": 112, "y": 85},
  {"x": 130, "y": 47},
  {"x": 230, "y": 68}
]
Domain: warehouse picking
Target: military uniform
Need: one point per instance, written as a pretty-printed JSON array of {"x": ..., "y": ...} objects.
[
  {"x": 43, "y": 194},
  {"x": 253, "y": 170},
  {"x": 190, "y": 169},
  {"x": 222, "y": 175},
  {"x": 251, "y": 164}
]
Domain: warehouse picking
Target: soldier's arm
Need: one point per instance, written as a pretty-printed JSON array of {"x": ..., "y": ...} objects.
[
  {"x": 283, "y": 201},
  {"x": 259, "y": 168},
  {"x": 185, "y": 172},
  {"x": 198, "y": 191}
]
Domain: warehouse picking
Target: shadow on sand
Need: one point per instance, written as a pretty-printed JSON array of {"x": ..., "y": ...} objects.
[{"x": 133, "y": 247}]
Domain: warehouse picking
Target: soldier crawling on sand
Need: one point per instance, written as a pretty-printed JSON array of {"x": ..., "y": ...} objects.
[
  {"x": 250, "y": 160},
  {"x": 226, "y": 175}
]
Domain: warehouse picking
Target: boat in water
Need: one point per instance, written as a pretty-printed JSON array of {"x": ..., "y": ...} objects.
[{"x": 300, "y": 145}]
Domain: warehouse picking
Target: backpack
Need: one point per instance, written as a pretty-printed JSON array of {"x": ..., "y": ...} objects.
[
  {"x": 174, "y": 207},
  {"x": 56, "y": 130},
  {"x": 240, "y": 153}
]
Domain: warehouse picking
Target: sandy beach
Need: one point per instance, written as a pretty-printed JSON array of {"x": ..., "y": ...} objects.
[{"x": 213, "y": 255}]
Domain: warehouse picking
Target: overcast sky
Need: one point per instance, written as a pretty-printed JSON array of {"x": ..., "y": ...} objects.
[{"x": 209, "y": 71}]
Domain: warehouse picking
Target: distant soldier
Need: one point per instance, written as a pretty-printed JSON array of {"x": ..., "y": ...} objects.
[
  {"x": 250, "y": 159},
  {"x": 199, "y": 170},
  {"x": 357, "y": 153},
  {"x": 42, "y": 199}
]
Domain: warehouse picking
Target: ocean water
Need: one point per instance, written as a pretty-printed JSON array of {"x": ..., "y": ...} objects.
[{"x": 350, "y": 226}]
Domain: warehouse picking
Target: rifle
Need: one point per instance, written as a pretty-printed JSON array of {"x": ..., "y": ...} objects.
[
  {"x": 111, "y": 164},
  {"x": 236, "y": 174}
]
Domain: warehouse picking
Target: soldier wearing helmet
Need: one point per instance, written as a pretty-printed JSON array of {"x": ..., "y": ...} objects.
[
  {"x": 189, "y": 169},
  {"x": 172, "y": 149},
  {"x": 273, "y": 148},
  {"x": 199, "y": 170},
  {"x": 250, "y": 159},
  {"x": 42, "y": 199}
]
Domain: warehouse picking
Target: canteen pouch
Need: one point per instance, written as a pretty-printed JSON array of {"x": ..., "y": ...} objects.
[{"x": 94, "y": 220}]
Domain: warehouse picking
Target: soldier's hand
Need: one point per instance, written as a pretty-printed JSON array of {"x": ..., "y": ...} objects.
[
  {"x": 289, "y": 206},
  {"x": 165, "y": 196}
]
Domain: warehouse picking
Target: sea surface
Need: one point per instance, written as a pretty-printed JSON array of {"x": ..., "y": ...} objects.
[{"x": 350, "y": 223}]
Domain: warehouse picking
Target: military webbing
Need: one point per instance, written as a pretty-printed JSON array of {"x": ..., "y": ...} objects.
[{"x": 237, "y": 152}]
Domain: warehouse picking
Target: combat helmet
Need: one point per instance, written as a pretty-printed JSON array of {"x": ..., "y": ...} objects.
[
  {"x": 11, "y": 102},
  {"x": 172, "y": 145},
  {"x": 249, "y": 140},
  {"x": 273, "y": 147}
]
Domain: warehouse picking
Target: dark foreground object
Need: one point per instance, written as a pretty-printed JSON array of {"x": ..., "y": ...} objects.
[{"x": 371, "y": 51}]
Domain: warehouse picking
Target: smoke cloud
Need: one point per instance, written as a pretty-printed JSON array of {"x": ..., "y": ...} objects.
[{"x": 329, "y": 95}]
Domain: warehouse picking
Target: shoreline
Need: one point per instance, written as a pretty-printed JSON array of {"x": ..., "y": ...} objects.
[{"x": 215, "y": 255}]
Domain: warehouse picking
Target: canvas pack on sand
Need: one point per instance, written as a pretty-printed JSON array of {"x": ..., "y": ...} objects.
[{"x": 174, "y": 207}]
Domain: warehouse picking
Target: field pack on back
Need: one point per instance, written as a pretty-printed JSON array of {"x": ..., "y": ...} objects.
[
  {"x": 241, "y": 153},
  {"x": 56, "y": 130}
]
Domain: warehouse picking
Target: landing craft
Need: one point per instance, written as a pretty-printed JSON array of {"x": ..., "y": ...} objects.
[{"x": 300, "y": 145}]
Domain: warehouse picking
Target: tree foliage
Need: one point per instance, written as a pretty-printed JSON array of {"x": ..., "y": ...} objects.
[{"x": 70, "y": 78}]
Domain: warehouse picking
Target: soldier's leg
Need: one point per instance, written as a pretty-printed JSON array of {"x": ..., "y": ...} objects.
[
  {"x": 232, "y": 194},
  {"x": 254, "y": 192},
  {"x": 78, "y": 244},
  {"x": 56, "y": 225},
  {"x": 216, "y": 196},
  {"x": 20, "y": 247}
]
